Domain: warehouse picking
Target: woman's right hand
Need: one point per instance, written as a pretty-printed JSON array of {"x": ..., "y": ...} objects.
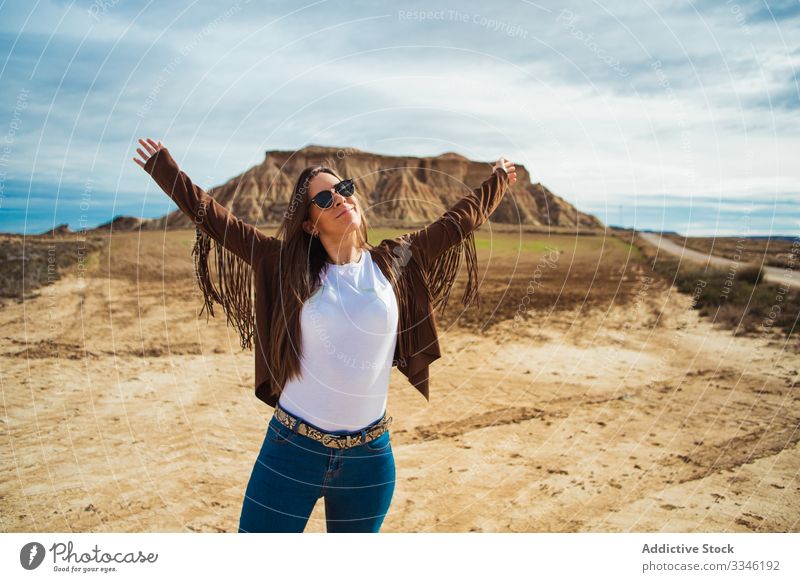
[
  {"x": 151, "y": 146},
  {"x": 508, "y": 167}
]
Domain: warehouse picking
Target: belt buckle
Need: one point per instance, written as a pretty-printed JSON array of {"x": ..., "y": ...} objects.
[{"x": 348, "y": 439}]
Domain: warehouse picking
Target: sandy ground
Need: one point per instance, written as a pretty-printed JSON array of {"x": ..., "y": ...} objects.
[{"x": 122, "y": 412}]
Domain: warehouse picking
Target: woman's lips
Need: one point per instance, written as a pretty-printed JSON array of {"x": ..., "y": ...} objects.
[{"x": 343, "y": 212}]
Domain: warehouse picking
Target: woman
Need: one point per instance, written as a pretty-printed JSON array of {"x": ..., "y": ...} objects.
[{"x": 332, "y": 315}]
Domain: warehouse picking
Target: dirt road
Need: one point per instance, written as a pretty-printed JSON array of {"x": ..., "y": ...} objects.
[{"x": 771, "y": 274}]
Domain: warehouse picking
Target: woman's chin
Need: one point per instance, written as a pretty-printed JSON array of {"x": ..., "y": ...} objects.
[{"x": 349, "y": 221}]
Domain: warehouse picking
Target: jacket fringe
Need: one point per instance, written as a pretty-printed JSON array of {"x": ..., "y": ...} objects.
[
  {"x": 439, "y": 279},
  {"x": 407, "y": 307},
  {"x": 234, "y": 287},
  {"x": 442, "y": 274}
]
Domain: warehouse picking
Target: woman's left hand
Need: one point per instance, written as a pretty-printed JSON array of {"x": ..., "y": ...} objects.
[
  {"x": 509, "y": 168},
  {"x": 151, "y": 146}
]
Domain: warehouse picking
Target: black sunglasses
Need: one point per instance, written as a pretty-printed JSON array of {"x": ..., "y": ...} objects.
[{"x": 324, "y": 199}]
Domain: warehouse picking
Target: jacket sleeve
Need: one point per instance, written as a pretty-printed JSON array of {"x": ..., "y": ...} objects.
[
  {"x": 208, "y": 215},
  {"x": 460, "y": 220}
]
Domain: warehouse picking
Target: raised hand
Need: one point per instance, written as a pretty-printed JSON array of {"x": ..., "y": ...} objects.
[
  {"x": 151, "y": 146},
  {"x": 509, "y": 168}
]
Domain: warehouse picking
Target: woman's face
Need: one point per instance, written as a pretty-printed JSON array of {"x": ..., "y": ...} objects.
[{"x": 344, "y": 214}]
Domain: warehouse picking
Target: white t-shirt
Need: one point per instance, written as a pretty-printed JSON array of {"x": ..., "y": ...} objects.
[{"x": 349, "y": 334}]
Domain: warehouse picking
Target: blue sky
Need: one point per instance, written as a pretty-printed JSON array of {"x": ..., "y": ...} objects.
[{"x": 666, "y": 114}]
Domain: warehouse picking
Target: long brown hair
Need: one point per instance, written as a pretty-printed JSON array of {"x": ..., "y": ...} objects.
[{"x": 302, "y": 259}]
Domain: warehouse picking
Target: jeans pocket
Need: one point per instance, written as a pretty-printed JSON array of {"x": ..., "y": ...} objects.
[
  {"x": 279, "y": 434},
  {"x": 379, "y": 444}
]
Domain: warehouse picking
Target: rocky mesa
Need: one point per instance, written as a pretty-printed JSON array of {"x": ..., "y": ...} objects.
[{"x": 399, "y": 191}]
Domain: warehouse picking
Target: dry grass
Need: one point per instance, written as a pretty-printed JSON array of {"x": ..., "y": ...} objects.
[
  {"x": 519, "y": 273},
  {"x": 739, "y": 300},
  {"x": 30, "y": 262}
]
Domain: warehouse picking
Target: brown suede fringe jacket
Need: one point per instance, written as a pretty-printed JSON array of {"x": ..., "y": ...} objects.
[{"x": 421, "y": 266}]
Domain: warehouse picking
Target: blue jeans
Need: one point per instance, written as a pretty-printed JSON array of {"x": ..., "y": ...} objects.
[{"x": 293, "y": 471}]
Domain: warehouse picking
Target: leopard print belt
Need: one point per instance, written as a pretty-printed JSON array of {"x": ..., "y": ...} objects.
[{"x": 336, "y": 441}]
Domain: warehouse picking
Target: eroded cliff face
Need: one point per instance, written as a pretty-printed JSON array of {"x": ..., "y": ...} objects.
[{"x": 395, "y": 190}]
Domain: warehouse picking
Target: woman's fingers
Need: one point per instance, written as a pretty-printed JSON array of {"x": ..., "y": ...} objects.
[
  {"x": 144, "y": 157},
  {"x": 510, "y": 168},
  {"x": 504, "y": 163},
  {"x": 147, "y": 146},
  {"x": 151, "y": 146}
]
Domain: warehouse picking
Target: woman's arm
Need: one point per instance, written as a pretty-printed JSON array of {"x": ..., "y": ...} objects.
[
  {"x": 235, "y": 235},
  {"x": 464, "y": 217}
]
